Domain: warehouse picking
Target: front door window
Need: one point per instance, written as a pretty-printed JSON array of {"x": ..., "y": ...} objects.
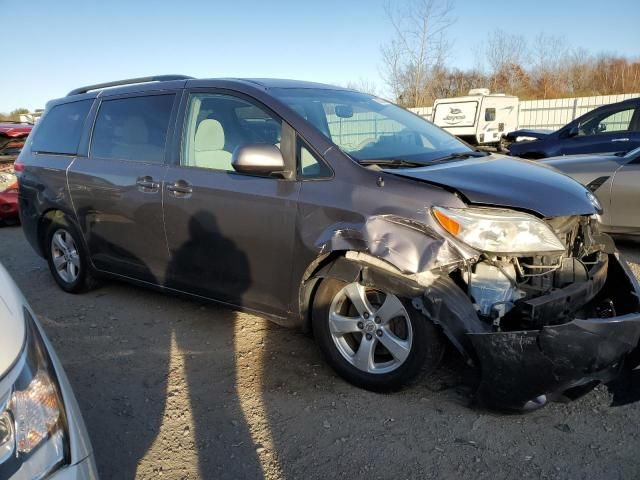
[{"x": 218, "y": 124}]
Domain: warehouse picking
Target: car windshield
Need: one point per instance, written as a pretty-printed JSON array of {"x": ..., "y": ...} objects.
[{"x": 370, "y": 129}]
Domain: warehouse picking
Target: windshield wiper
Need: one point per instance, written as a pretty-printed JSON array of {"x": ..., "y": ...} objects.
[
  {"x": 386, "y": 162},
  {"x": 396, "y": 162},
  {"x": 460, "y": 156}
]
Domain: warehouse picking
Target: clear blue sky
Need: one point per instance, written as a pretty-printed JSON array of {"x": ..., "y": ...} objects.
[{"x": 57, "y": 45}]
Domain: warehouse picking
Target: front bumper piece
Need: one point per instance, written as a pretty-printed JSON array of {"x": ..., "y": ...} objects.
[{"x": 522, "y": 370}]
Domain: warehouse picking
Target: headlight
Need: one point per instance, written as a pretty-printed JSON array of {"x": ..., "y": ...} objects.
[
  {"x": 498, "y": 231},
  {"x": 32, "y": 428}
]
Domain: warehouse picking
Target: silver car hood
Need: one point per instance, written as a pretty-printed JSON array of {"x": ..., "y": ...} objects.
[
  {"x": 588, "y": 169},
  {"x": 584, "y": 162},
  {"x": 12, "y": 322}
]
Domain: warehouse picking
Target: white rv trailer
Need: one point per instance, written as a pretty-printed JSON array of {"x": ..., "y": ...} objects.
[{"x": 480, "y": 118}]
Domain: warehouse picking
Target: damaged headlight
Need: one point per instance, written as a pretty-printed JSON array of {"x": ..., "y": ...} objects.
[
  {"x": 33, "y": 440},
  {"x": 498, "y": 231}
]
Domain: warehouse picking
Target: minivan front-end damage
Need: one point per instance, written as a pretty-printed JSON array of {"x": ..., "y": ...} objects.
[
  {"x": 557, "y": 344},
  {"x": 538, "y": 325}
]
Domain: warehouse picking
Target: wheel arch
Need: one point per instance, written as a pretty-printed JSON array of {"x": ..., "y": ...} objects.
[
  {"x": 388, "y": 251},
  {"x": 44, "y": 222},
  {"x": 47, "y": 218},
  {"x": 352, "y": 265}
]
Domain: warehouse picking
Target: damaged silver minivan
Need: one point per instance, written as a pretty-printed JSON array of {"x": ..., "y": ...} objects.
[{"x": 340, "y": 213}]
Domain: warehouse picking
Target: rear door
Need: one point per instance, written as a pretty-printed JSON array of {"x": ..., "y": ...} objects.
[
  {"x": 608, "y": 130},
  {"x": 117, "y": 189},
  {"x": 230, "y": 235}
]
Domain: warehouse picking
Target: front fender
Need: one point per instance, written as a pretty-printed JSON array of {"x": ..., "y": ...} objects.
[
  {"x": 400, "y": 255},
  {"x": 409, "y": 246}
]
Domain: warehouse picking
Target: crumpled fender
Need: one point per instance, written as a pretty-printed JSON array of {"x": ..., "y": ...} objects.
[
  {"x": 408, "y": 245},
  {"x": 402, "y": 256}
]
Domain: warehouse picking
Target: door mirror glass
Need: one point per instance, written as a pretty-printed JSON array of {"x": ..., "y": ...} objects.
[{"x": 258, "y": 159}]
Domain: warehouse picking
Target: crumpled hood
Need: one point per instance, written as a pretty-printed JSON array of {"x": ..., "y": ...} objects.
[{"x": 497, "y": 180}]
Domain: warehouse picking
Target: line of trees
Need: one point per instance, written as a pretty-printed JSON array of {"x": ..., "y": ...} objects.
[{"x": 415, "y": 69}]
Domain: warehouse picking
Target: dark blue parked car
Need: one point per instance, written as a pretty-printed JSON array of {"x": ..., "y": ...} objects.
[{"x": 610, "y": 128}]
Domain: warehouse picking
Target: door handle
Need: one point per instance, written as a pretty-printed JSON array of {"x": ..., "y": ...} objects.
[
  {"x": 180, "y": 188},
  {"x": 620, "y": 140},
  {"x": 147, "y": 184}
]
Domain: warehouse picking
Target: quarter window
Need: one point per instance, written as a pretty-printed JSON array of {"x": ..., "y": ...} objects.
[
  {"x": 60, "y": 129},
  {"x": 217, "y": 124},
  {"x": 133, "y": 128},
  {"x": 309, "y": 166}
]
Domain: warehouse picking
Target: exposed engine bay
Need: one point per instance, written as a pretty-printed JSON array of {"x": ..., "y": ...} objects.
[{"x": 504, "y": 289}]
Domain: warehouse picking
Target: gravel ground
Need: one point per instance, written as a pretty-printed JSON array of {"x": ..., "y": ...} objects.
[{"x": 175, "y": 388}]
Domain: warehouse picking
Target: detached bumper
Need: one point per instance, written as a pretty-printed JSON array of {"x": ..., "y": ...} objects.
[{"x": 524, "y": 369}]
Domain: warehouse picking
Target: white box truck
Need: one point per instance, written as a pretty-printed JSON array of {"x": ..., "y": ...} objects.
[{"x": 481, "y": 118}]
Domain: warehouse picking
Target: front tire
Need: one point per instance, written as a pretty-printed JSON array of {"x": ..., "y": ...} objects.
[
  {"x": 374, "y": 340},
  {"x": 67, "y": 258}
]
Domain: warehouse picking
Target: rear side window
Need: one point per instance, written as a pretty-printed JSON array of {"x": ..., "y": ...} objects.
[
  {"x": 132, "y": 128},
  {"x": 60, "y": 129}
]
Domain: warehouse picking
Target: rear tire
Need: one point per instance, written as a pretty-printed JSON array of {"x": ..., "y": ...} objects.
[
  {"x": 67, "y": 257},
  {"x": 354, "y": 336}
]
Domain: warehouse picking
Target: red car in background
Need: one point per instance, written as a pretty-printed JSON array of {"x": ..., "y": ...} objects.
[
  {"x": 9, "y": 205},
  {"x": 12, "y": 138}
]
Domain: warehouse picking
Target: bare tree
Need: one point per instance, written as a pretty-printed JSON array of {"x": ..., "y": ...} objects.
[
  {"x": 364, "y": 85},
  {"x": 506, "y": 54},
  {"x": 418, "y": 49},
  {"x": 549, "y": 57}
]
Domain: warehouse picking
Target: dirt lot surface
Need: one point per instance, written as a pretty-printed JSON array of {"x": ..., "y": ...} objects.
[{"x": 174, "y": 388}]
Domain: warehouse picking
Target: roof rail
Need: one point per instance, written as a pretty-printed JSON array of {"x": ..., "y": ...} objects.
[{"x": 129, "y": 81}]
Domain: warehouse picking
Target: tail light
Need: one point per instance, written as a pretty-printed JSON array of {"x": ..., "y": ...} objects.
[{"x": 18, "y": 166}]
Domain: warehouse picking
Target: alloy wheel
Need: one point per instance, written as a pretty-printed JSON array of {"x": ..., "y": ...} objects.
[
  {"x": 371, "y": 329},
  {"x": 65, "y": 256}
]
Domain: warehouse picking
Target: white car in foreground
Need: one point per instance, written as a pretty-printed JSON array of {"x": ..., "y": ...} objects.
[{"x": 42, "y": 434}]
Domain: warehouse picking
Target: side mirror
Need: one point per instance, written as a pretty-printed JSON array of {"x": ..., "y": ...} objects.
[
  {"x": 573, "y": 132},
  {"x": 602, "y": 127},
  {"x": 257, "y": 159}
]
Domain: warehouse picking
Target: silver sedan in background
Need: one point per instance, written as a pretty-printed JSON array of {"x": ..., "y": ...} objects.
[
  {"x": 614, "y": 178},
  {"x": 42, "y": 433}
]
